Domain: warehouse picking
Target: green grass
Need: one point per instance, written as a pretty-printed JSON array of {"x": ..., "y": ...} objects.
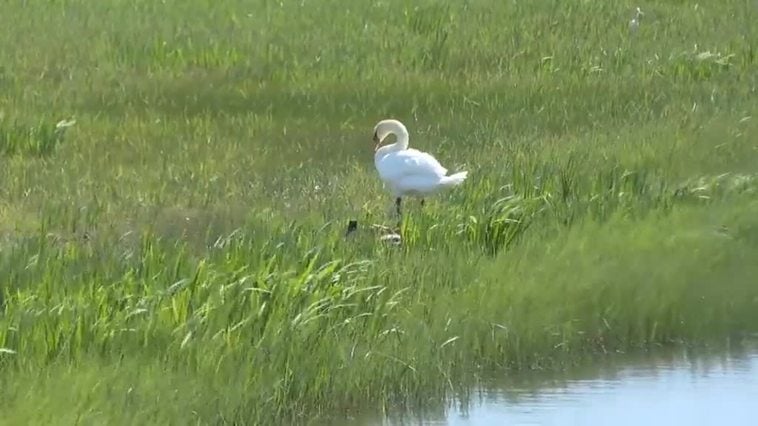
[{"x": 178, "y": 257}]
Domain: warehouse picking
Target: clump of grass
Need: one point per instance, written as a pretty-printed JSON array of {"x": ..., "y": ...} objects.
[
  {"x": 39, "y": 140},
  {"x": 502, "y": 223},
  {"x": 432, "y": 24},
  {"x": 702, "y": 65}
]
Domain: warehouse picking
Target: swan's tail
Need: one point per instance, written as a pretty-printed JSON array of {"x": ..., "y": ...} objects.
[{"x": 454, "y": 180}]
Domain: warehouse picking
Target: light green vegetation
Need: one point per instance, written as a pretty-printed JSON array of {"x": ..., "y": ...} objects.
[{"x": 177, "y": 256}]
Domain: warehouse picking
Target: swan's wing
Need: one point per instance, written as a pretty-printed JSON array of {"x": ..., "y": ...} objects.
[
  {"x": 427, "y": 162},
  {"x": 409, "y": 162}
]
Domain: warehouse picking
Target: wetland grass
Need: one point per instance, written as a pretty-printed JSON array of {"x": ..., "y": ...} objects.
[{"x": 179, "y": 257}]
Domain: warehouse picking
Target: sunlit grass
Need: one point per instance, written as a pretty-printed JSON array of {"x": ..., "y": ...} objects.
[{"x": 179, "y": 258}]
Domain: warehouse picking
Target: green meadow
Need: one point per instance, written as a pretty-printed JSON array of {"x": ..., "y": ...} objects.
[{"x": 177, "y": 256}]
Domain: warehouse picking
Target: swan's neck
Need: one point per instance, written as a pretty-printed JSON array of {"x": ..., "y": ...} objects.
[{"x": 401, "y": 144}]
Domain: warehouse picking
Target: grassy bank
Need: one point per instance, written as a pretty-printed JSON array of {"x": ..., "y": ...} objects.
[{"x": 177, "y": 255}]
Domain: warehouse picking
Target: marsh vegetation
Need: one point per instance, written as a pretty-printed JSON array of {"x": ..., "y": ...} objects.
[{"x": 177, "y": 255}]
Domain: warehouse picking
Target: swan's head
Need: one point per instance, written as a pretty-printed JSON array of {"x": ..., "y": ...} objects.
[{"x": 387, "y": 127}]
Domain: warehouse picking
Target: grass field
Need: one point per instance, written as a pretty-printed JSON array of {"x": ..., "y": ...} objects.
[{"x": 177, "y": 255}]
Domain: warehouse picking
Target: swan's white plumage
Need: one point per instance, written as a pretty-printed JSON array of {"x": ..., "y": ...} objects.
[{"x": 407, "y": 171}]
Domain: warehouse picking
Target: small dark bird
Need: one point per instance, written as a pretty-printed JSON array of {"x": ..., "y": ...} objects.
[{"x": 352, "y": 226}]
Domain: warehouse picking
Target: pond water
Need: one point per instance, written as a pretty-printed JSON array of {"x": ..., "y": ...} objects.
[{"x": 674, "y": 388}]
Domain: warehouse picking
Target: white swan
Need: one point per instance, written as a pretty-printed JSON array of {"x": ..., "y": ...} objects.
[{"x": 407, "y": 171}]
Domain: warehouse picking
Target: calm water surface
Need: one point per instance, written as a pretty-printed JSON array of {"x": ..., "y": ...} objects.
[{"x": 664, "y": 389}]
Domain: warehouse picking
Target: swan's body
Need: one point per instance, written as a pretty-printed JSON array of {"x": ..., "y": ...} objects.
[
  {"x": 407, "y": 171},
  {"x": 411, "y": 172}
]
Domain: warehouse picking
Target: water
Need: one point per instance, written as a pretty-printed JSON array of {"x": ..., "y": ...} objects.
[{"x": 665, "y": 389}]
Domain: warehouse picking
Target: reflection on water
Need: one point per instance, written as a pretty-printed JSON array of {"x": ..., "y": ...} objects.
[{"x": 670, "y": 389}]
